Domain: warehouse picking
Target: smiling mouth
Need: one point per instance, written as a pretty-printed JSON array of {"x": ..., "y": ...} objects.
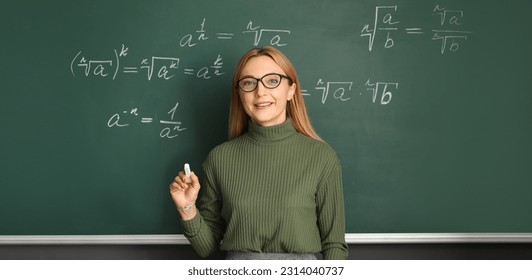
[{"x": 263, "y": 105}]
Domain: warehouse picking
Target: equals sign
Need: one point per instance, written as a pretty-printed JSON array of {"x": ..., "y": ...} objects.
[
  {"x": 225, "y": 36},
  {"x": 131, "y": 70},
  {"x": 189, "y": 71},
  {"x": 170, "y": 122},
  {"x": 304, "y": 92},
  {"x": 146, "y": 120},
  {"x": 413, "y": 31}
]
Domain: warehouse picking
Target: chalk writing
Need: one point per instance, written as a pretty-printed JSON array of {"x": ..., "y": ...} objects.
[
  {"x": 385, "y": 22},
  {"x": 205, "y": 72},
  {"x": 163, "y": 67},
  {"x": 338, "y": 88},
  {"x": 341, "y": 91},
  {"x": 171, "y": 127},
  {"x": 380, "y": 88},
  {"x": 259, "y": 32},
  {"x": 189, "y": 41},
  {"x": 381, "y": 23},
  {"x": 450, "y": 37},
  {"x": 261, "y": 36}
]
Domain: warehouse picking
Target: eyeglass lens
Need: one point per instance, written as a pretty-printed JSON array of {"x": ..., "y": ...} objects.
[{"x": 270, "y": 81}]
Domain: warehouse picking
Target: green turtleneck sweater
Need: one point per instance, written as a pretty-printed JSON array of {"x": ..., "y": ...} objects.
[{"x": 271, "y": 190}]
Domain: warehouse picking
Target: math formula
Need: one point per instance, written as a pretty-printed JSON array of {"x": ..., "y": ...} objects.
[
  {"x": 261, "y": 36},
  {"x": 448, "y": 32},
  {"x": 152, "y": 67},
  {"x": 171, "y": 127},
  {"x": 380, "y": 92}
]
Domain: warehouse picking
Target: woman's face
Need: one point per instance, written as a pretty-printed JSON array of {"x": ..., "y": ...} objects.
[{"x": 266, "y": 107}]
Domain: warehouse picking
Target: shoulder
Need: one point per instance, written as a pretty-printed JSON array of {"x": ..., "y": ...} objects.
[
  {"x": 317, "y": 155},
  {"x": 225, "y": 149},
  {"x": 321, "y": 158},
  {"x": 318, "y": 148}
]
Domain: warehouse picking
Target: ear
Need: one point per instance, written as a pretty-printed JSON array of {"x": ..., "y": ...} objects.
[{"x": 291, "y": 91}]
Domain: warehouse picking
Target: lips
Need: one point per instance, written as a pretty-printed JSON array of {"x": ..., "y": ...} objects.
[{"x": 263, "y": 104}]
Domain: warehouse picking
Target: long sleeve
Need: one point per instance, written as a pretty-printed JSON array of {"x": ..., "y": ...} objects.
[
  {"x": 205, "y": 231},
  {"x": 331, "y": 216}
]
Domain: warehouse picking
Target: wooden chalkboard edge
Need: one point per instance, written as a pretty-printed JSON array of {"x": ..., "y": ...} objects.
[{"x": 351, "y": 238}]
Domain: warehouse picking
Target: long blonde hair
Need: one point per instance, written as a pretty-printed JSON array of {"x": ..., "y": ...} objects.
[{"x": 296, "y": 110}]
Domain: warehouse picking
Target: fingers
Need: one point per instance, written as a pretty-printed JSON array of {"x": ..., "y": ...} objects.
[
  {"x": 182, "y": 182},
  {"x": 175, "y": 187},
  {"x": 179, "y": 183},
  {"x": 192, "y": 180}
]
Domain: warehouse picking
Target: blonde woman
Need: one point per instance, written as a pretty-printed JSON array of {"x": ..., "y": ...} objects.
[{"x": 274, "y": 190}]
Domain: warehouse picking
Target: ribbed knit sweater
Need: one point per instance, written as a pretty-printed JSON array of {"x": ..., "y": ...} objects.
[{"x": 271, "y": 190}]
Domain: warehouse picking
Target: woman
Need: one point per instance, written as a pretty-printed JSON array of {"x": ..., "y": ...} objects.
[{"x": 274, "y": 190}]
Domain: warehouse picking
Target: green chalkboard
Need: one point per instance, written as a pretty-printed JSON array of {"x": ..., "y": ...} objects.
[{"x": 427, "y": 103}]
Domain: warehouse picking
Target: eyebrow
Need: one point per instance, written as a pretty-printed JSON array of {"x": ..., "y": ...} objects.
[
  {"x": 251, "y": 76},
  {"x": 246, "y": 76}
]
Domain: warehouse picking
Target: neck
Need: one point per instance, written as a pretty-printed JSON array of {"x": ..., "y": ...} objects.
[{"x": 271, "y": 133}]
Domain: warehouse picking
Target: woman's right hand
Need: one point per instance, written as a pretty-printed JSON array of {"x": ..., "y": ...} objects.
[{"x": 184, "y": 190}]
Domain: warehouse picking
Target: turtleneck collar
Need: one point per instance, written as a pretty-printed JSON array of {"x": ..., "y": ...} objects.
[{"x": 271, "y": 133}]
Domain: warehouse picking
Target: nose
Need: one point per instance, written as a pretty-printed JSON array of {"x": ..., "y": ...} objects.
[{"x": 261, "y": 90}]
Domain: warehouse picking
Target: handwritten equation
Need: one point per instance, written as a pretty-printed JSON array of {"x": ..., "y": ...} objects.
[
  {"x": 268, "y": 36},
  {"x": 448, "y": 32},
  {"x": 171, "y": 128},
  {"x": 159, "y": 67},
  {"x": 380, "y": 92}
]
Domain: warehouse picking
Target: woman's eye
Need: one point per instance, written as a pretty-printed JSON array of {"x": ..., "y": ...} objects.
[
  {"x": 247, "y": 83},
  {"x": 273, "y": 81}
]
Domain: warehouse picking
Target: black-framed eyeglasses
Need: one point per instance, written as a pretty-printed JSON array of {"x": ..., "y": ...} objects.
[{"x": 270, "y": 81}]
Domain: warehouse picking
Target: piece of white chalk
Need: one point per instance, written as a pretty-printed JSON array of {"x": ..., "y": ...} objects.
[{"x": 187, "y": 169}]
